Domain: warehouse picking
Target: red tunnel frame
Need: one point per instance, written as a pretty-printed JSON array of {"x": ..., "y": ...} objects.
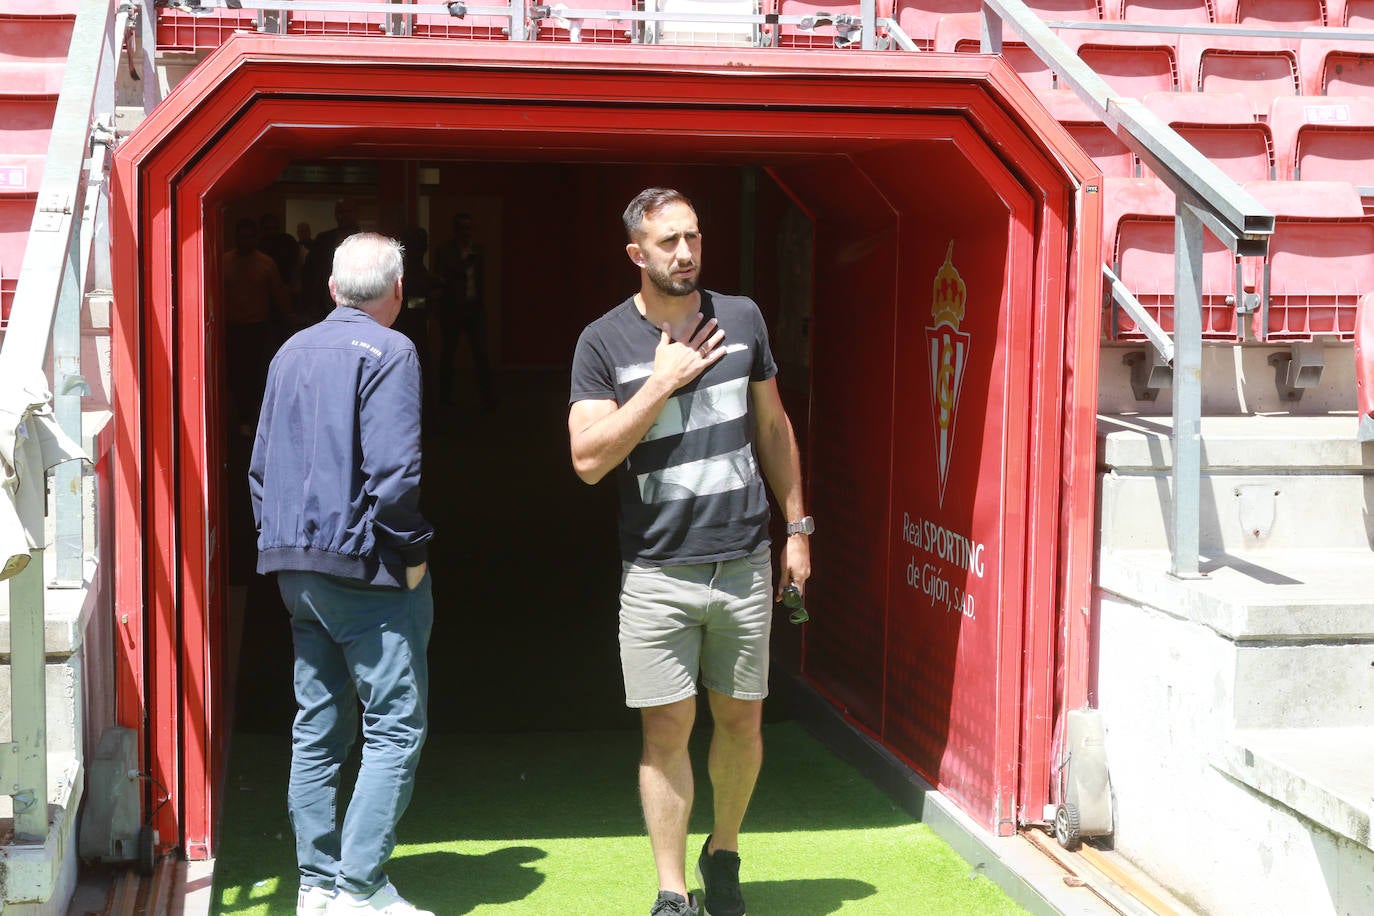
[{"x": 257, "y": 102}]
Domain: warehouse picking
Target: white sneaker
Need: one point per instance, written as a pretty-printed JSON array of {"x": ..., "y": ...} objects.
[
  {"x": 311, "y": 900},
  {"x": 384, "y": 901}
]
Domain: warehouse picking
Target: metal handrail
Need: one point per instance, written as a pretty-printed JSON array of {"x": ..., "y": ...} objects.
[
  {"x": 1205, "y": 196},
  {"x": 46, "y": 320},
  {"x": 849, "y": 29}
]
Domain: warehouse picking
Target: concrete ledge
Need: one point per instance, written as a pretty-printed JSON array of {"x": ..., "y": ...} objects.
[
  {"x": 66, "y": 611},
  {"x": 34, "y": 873},
  {"x": 1027, "y": 875},
  {"x": 1279, "y": 595},
  {"x": 1321, "y": 773},
  {"x": 1255, "y": 442}
]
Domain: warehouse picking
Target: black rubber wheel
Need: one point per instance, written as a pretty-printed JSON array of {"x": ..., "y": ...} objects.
[
  {"x": 146, "y": 854},
  {"x": 1066, "y": 826}
]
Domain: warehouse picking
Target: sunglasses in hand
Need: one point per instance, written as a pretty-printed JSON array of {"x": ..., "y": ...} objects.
[{"x": 792, "y": 600}]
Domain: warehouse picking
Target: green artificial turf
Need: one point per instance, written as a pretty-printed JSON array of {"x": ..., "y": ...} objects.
[{"x": 549, "y": 824}]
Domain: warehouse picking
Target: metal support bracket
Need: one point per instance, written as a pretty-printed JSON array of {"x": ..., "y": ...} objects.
[
  {"x": 1149, "y": 373},
  {"x": 1299, "y": 368}
]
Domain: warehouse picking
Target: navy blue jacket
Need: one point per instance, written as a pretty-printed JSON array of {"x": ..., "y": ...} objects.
[{"x": 335, "y": 474}]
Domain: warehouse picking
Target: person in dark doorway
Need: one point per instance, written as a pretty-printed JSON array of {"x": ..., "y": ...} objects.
[
  {"x": 461, "y": 269},
  {"x": 335, "y": 485},
  {"x": 315, "y": 298},
  {"x": 280, "y": 246},
  {"x": 254, "y": 301},
  {"x": 418, "y": 287},
  {"x": 674, "y": 389}
]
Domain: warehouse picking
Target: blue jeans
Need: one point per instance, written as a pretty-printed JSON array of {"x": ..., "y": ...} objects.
[{"x": 354, "y": 642}]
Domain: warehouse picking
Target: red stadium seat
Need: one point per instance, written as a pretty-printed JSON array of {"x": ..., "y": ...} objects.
[
  {"x": 1067, "y": 10},
  {"x": 1259, "y": 68},
  {"x": 1096, "y": 138},
  {"x": 1167, "y": 12},
  {"x": 1132, "y": 63},
  {"x": 791, "y": 35},
  {"x": 490, "y": 28},
  {"x": 34, "y": 38},
  {"x": 1324, "y": 138},
  {"x": 20, "y": 173},
  {"x": 16, "y": 215},
  {"x": 1222, "y": 127},
  {"x": 1281, "y": 14},
  {"x": 1333, "y": 64},
  {"x": 1358, "y": 14},
  {"x": 1138, "y": 238},
  {"x": 1321, "y": 258},
  {"x": 918, "y": 18},
  {"x": 962, "y": 32},
  {"x": 177, "y": 31},
  {"x": 26, "y": 123}
]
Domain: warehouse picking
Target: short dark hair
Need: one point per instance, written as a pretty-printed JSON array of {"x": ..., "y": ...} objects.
[{"x": 647, "y": 203}]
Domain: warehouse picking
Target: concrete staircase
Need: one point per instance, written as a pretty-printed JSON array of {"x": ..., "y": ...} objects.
[{"x": 1240, "y": 706}]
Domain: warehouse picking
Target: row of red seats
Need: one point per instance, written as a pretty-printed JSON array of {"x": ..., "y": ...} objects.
[
  {"x": 1133, "y": 63},
  {"x": 918, "y": 17},
  {"x": 34, "y": 37},
  {"x": 1324, "y": 138},
  {"x": 179, "y": 31},
  {"x": 1320, "y": 261}
]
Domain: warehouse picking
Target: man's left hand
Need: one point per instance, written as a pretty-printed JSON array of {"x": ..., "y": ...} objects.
[{"x": 796, "y": 564}]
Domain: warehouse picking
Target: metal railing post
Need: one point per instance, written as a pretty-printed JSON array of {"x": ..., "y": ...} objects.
[
  {"x": 28, "y": 748},
  {"x": 868, "y": 12},
  {"x": 69, "y": 386},
  {"x": 1187, "y": 390}
]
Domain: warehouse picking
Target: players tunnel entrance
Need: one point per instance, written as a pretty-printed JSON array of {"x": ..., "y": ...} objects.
[{"x": 944, "y": 385}]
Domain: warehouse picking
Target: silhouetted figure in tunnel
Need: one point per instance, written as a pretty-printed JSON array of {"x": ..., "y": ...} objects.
[{"x": 460, "y": 265}]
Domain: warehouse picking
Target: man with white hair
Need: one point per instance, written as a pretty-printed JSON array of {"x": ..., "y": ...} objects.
[{"x": 335, "y": 483}]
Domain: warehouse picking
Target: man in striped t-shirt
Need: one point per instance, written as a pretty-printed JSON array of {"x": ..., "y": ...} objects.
[{"x": 674, "y": 389}]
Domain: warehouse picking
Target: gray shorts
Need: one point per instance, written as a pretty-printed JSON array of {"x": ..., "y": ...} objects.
[{"x": 707, "y": 618}]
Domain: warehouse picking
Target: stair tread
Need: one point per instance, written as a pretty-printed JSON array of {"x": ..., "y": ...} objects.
[
  {"x": 1278, "y": 594},
  {"x": 1326, "y": 442},
  {"x": 1323, "y": 773}
]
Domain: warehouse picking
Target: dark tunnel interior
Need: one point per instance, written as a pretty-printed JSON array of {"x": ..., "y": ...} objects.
[{"x": 524, "y": 560}]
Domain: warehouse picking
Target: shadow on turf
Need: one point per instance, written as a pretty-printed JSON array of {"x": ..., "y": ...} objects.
[
  {"x": 805, "y": 897},
  {"x": 446, "y": 882},
  {"x": 450, "y": 882}
]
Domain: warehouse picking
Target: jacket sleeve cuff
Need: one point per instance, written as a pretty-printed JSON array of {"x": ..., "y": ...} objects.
[{"x": 414, "y": 556}]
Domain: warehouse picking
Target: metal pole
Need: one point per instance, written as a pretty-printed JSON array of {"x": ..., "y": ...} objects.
[
  {"x": 28, "y": 703},
  {"x": 1187, "y": 389},
  {"x": 868, "y": 12},
  {"x": 69, "y": 386}
]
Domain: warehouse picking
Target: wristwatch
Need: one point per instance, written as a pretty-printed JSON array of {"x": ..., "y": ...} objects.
[{"x": 807, "y": 525}]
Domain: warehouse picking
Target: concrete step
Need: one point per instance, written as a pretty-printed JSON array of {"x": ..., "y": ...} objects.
[
  {"x": 1269, "y": 483},
  {"x": 1321, "y": 773},
  {"x": 1239, "y": 726},
  {"x": 37, "y": 879}
]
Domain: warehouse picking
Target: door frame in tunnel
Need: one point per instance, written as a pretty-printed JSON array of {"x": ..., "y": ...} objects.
[{"x": 257, "y": 101}]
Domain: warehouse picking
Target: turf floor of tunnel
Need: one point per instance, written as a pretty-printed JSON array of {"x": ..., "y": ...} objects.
[
  {"x": 549, "y": 823},
  {"x": 526, "y": 800}
]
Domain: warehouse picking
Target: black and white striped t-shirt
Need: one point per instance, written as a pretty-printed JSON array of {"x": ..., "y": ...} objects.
[{"x": 690, "y": 491}]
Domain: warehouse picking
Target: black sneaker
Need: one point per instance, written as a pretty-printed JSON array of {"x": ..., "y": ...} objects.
[
  {"x": 670, "y": 904},
  {"x": 719, "y": 876}
]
